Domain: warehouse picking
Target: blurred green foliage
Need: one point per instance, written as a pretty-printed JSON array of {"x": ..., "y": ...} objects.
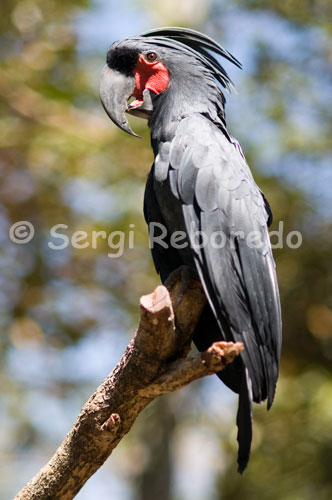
[{"x": 62, "y": 162}]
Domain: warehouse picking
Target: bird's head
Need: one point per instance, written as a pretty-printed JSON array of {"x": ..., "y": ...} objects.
[{"x": 156, "y": 62}]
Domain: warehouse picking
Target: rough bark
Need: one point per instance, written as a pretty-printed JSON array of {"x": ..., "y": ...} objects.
[{"x": 155, "y": 362}]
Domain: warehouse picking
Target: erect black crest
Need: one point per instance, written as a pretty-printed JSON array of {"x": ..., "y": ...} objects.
[{"x": 198, "y": 45}]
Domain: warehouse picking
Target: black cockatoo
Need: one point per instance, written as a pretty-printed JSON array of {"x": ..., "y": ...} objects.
[{"x": 201, "y": 184}]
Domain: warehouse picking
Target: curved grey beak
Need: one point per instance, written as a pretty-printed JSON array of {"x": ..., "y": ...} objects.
[{"x": 115, "y": 90}]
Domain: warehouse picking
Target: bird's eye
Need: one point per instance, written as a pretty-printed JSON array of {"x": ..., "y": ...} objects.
[{"x": 151, "y": 56}]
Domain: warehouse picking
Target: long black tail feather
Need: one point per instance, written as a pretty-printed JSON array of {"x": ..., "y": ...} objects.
[{"x": 244, "y": 422}]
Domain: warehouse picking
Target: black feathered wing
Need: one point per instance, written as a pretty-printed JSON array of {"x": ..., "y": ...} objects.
[{"x": 208, "y": 176}]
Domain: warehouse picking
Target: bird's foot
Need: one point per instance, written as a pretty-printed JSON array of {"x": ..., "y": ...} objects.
[{"x": 181, "y": 278}]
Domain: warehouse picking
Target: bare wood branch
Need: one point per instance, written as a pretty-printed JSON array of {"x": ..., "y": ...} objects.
[
  {"x": 183, "y": 371},
  {"x": 154, "y": 363}
]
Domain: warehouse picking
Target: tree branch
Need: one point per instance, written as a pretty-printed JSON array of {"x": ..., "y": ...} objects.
[{"x": 155, "y": 362}]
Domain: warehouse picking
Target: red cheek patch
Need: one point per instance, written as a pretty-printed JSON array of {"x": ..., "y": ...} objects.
[{"x": 152, "y": 76}]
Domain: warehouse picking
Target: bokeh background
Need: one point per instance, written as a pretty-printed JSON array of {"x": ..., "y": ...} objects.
[{"x": 67, "y": 315}]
